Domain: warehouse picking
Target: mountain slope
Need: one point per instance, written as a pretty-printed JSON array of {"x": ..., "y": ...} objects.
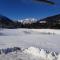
[
  {"x": 50, "y": 22},
  {"x": 6, "y": 22}
]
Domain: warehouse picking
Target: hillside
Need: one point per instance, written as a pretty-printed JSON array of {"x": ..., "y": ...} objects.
[
  {"x": 5, "y": 22},
  {"x": 51, "y": 22}
]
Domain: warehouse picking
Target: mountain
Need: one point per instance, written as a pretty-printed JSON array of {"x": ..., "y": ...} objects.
[
  {"x": 52, "y": 18},
  {"x": 27, "y": 23},
  {"x": 28, "y": 20},
  {"x": 50, "y": 22},
  {"x": 6, "y": 22}
]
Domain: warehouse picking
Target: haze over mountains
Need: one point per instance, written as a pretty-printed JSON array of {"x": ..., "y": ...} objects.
[{"x": 52, "y": 22}]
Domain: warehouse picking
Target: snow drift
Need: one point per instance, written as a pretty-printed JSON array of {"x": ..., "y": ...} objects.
[
  {"x": 31, "y": 53},
  {"x": 45, "y": 44},
  {"x": 41, "y": 54}
]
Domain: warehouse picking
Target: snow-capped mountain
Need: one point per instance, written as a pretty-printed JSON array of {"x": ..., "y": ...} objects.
[{"x": 28, "y": 20}]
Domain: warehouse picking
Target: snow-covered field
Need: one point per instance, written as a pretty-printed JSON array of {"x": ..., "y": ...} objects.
[{"x": 34, "y": 44}]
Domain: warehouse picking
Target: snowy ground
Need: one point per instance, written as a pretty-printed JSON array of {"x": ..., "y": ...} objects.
[{"x": 34, "y": 40}]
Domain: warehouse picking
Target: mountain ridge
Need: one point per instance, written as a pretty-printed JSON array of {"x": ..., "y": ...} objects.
[{"x": 52, "y": 22}]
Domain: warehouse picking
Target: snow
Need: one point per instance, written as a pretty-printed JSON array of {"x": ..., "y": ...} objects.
[
  {"x": 31, "y": 53},
  {"x": 33, "y": 42},
  {"x": 47, "y": 31},
  {"x": 27, "y": 20}
]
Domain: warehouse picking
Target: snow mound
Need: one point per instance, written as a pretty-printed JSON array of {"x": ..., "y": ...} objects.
[
  {"x": 41, "y": 54},
  {"x": 31, "y": 53}
]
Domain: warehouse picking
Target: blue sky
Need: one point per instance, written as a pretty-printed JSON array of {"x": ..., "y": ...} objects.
[{"x": 19, "y": 9}]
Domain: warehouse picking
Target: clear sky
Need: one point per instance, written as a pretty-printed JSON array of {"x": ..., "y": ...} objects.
[{"x": 18, "y": 9}]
